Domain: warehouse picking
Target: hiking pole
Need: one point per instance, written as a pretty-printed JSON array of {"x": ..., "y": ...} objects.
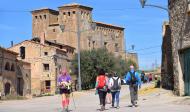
[
  {"x": 73, "y": 98},
  {"x": 74, "y": 101}
]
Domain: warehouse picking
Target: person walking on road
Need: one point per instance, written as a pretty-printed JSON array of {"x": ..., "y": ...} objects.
[
  {"x": 143, "y": 77},
  {"x": 115, "y": 87},
  {"x": 102, "y": 86},
  {"x": 108, "y": 96},
  {"x": 64, "y": 84},
  {"x": 133, "y": 79}
]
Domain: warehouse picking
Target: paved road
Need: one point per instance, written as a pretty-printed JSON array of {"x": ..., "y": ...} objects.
[{"x": 156, "y": 101}]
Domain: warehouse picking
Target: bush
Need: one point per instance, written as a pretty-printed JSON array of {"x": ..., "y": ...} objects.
[{"x": 92, "y": 61}]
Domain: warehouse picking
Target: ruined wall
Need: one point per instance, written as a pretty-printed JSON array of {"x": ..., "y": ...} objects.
[
  {"x": 167, "y": 59},
  {"x": 180, "y": 28}
]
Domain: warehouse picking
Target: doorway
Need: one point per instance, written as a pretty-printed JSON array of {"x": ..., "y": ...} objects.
[
  {"x": 7, "y": 88},
  {"x": 186, "y": 57}
]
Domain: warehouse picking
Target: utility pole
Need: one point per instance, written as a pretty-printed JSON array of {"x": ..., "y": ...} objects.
[{"x": 78, "y": 50}]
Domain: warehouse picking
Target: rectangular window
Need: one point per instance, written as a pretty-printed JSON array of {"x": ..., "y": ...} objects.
[
  {"x": 45, "y": 53},
  {"x": 53, "y": 30},
  {"x": 116, "y": 47},
  {"x": 93, "y": 44},
  {"x": 48, "y": 84},
  {"x": 46, "y": 67},
  {"x": 22, "y": 52}
]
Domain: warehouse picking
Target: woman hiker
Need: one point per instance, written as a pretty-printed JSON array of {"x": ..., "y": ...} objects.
[
  {"x": 108, "y": 96},
  {"x": 115, "y": 87},
  {"x": 101, "y": 86},
  {"x": 64, "y": 83}
]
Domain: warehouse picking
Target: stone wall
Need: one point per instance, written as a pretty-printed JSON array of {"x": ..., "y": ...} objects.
[
  {"x": 38, "y": 55},
  {"x": 8, "y": 84},
  {"x": 133, "y": 57},
  {"x": 180, "y": 28},
  {"x": 167, "y": 63},
  {"x": 72, "y": 15}
]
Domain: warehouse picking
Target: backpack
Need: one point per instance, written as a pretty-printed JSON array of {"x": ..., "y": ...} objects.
[
  {"x": 115, "y": 84},
  {"x": 101, "y": 82},
  {"x": 133, "y": 78}
]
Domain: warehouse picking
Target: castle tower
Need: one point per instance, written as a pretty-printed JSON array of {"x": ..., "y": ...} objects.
[
  {"x": 42, "y": 19},
  {"x": 70, "y": 16}
]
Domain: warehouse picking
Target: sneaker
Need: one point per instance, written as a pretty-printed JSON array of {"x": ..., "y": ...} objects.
[
  {"x": 67, "y": 110},
  {"x": 102, "y": 108},
  {"x": 117, "y": 107}
]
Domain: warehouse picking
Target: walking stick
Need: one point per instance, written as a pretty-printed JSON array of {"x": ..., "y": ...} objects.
[
  {"x": 74, "y": 101},
  {"x": 73, "y": 97}
]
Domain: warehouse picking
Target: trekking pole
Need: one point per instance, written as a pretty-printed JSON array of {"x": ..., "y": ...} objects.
[
  {"x": 74, "y": 101},
  {"x": 73, "y": 97}
]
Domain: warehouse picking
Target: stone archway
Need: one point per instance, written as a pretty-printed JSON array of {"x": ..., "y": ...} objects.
[{"x": 7, "y": 88}]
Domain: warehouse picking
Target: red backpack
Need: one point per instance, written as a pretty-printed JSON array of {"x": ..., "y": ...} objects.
[{"x": 101, "y": 81}]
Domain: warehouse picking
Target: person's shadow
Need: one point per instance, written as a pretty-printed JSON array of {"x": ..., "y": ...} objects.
[
  {"x": 132, "y": 106},
  {"x": 100, "y": 109}
]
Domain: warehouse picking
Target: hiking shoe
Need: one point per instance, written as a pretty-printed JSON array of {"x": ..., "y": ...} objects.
[
  {"x": 117, "y": 107},
  {"x": 66, "y": 110},
  {"x": 102, "y": 108}
]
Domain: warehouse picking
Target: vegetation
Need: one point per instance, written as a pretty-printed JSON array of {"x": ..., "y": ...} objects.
[{"x": 92, "y": 61}]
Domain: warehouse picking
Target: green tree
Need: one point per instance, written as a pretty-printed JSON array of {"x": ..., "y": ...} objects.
[{"x": 92, "y": 61}]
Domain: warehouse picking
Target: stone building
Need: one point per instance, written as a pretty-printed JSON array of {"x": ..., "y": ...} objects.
[
  {"x": 14, "y": 74},
  {"x": 167, "y": 61},
  {"x": 133, "y": 57},
  {"x": 46, "y": 58},
  {"x": 62, "y": 26},
  {"x": 179, "y": 21}
]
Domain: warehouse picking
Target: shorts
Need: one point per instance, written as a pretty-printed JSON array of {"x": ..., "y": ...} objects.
[
  {"x": 109, "y": 91},
  {"x": 64, "y": 91}
]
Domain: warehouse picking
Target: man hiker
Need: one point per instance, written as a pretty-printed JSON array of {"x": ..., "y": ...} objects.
[
  {"x": 133, "y": 79},
  {"x": 115, "y": 87},
  {"x": 102, "y": 86},
  {"x": 64, "y": 84}
]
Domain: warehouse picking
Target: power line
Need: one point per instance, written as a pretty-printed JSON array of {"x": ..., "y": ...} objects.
[
  {"x": 148, "y": 48},
  {"x": 150, "y": 53}
]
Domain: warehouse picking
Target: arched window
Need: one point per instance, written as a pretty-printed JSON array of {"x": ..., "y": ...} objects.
[
  {"x": 7, "y": 66},
  {"x": 69, "y": 13},
  {"x": 12, "y": 67},
  {"x": 44, "y": 16}
]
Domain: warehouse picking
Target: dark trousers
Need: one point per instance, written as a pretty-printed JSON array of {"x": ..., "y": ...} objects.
[
  {"x": 102, "y": 96},
  {"x": 115, "y": 97},
  {"x": 133, "y": 93}
]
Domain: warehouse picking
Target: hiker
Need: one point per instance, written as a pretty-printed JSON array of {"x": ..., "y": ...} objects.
[
  {"x": 150, "y": 77},
  {"x": 64, "y": 84},
  {"x": 143, "y": 77},
  {"x": 133, "y": 80},
  {"x": 102, "y": 86},
  {"x": 108, "y": 96},
  {"x": 115, "y": 86}
]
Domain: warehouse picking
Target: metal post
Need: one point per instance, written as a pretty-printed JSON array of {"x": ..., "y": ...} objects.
[{"x": 78, "y": 37}]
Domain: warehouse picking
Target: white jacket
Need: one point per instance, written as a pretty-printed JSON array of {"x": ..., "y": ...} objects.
[{"x": 111, "y": 82}]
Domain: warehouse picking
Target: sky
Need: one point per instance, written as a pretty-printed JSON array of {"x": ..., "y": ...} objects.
[{"x": 143, "y": 26}]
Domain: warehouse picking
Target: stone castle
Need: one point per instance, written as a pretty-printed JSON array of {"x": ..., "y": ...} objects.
[
  {"x": 55, "y": 40},
  {"x": 62, "y": 26}
]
